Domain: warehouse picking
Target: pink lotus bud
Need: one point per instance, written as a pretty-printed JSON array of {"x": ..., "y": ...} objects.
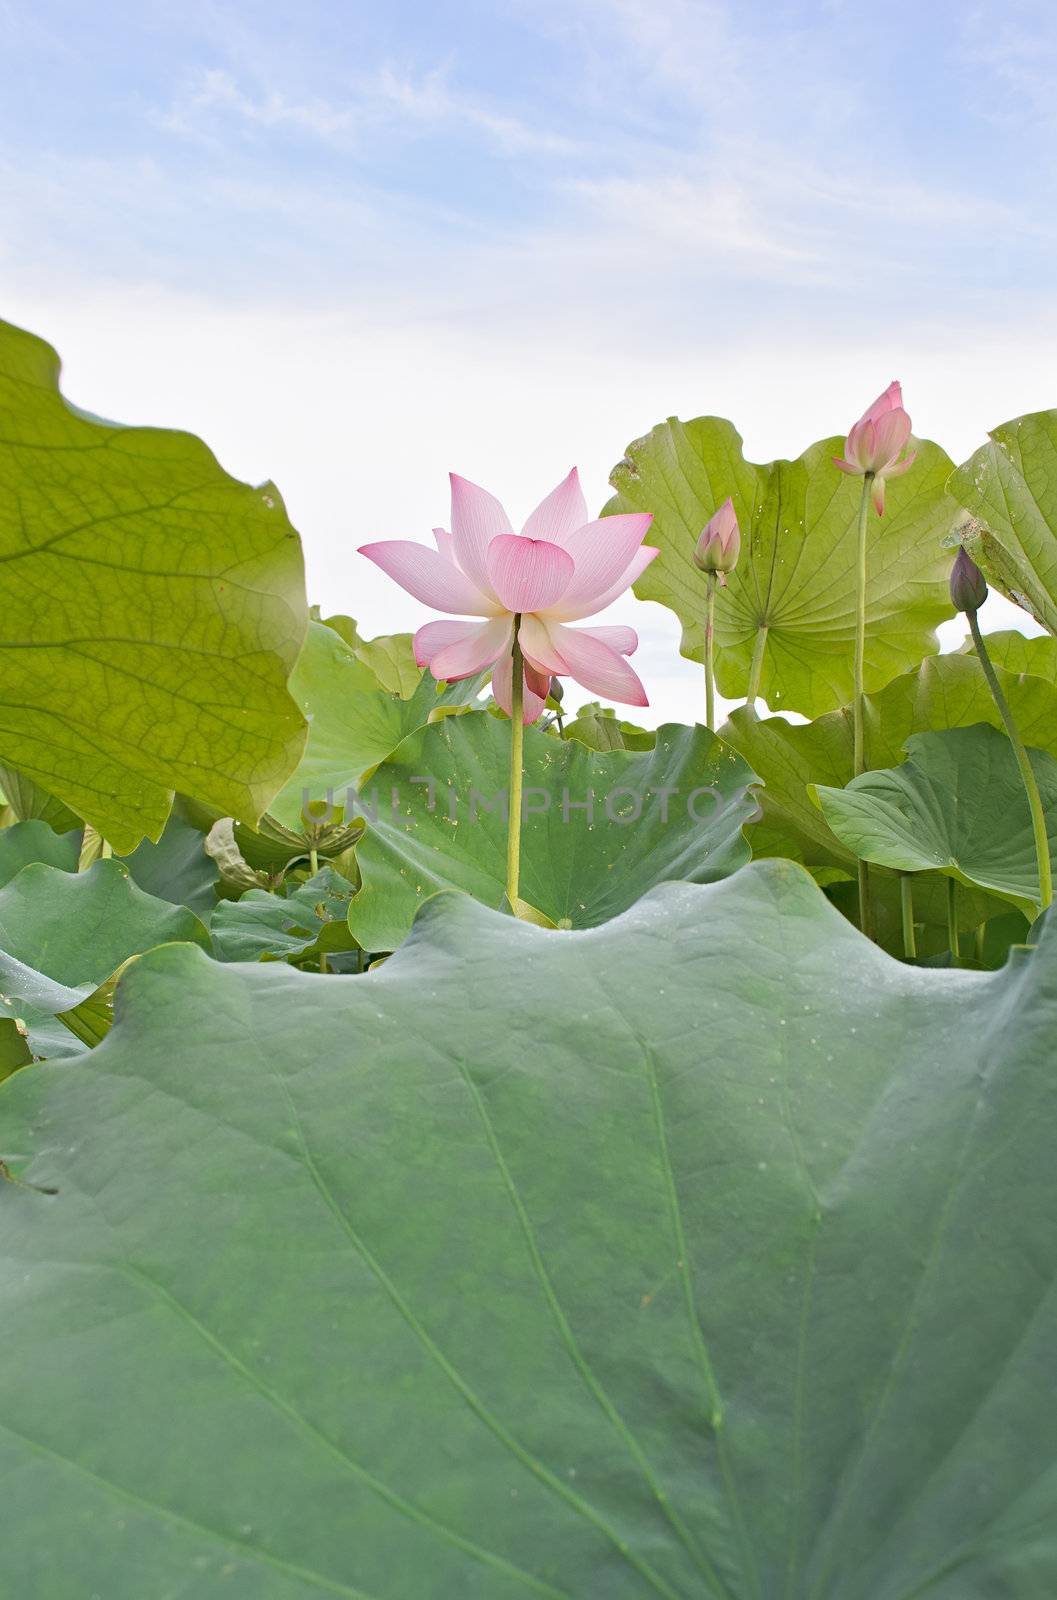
[
  {"x": 876, "y": 442},
  {"x": 718, "y": 547},
  {"x": 968, "y": 585}
]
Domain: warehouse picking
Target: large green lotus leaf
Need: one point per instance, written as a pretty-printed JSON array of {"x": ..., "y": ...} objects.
[
  {"x": 354, "y": 721},
  {"x": 151, "y": 608},
  {"x": 1012, "y": 650},
  {"x": 64, "y": 934},
  {"x": 601, "y": 728},
  {"x": 311, "y": 919},
  {"x": 176, "y": 868},
  {"x": 1009, "y": 488},
  {"x": 946, "y": 692},
  {"x": 392, "y": 660},
  {"x": 797, "y": 572},
  {"x": 437, "y": 820},
  {"x": 25, "y": 842},
  {"x": 708, "y": 1253},
  {"x": 956, "y": 805}
]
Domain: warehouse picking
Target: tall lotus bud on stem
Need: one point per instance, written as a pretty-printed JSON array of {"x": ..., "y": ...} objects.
[
  {"x": 719, "y": 545},
  {"x": 872, "y": 452},
  {"x": 715, "y": 554},
  {"x": 968, "y": 593},
  {"x": 875, "y": 444},
  {"x": 968, "y": 584}
]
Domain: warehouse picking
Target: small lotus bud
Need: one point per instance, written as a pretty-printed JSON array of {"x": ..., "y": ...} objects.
[
  {"x": 968, "y": 585},
  {"x": 557, "y": 692},
  {"x": 720, "y": 543},
  {"x": 876, "y": 443}
]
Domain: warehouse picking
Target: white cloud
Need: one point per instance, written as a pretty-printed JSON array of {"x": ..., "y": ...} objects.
[
  {"x": 1012, "y": 57},
  {"x": 400, "y": 103},
  {"x": 217, "y": 91}
]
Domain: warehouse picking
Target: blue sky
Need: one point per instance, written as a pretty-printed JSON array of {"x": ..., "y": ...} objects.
[
  {"x": 355, "y": 245},
  {"x": 854, "y": 157}
]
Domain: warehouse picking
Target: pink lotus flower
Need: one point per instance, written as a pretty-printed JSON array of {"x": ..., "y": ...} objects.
[
  {"x": 719, "y": 544},
  {"x": 559, "y": 568},
  {"x": 876, "y": 442}
]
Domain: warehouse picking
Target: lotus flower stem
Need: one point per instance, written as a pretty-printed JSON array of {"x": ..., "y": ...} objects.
[
  {"x": 517, "y": 761},
  {"x": 752, "y": 693},
  {"x": 906, "y": 905},
  {"x": 952, "y": 917},
  {"x": 313, "y": 861},
  {"x": 1038, "y": 816},
  {"x": 858, "y": 740},
  {"x": 858, "y": 735},
  {"x": 710, "y": 638}
]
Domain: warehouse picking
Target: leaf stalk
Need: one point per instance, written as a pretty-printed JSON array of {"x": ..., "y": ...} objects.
[
  {"x": 906, "y": 906},
  {"x": 1031, "y": 786}
]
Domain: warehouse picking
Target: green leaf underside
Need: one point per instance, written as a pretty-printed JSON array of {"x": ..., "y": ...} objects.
[
  {"x": 797, "y": 568},
  {"x": 957, "y": 805},
  {"x": 176, "y": 868},
  {"x": 1017, "y": 653},
  {"x": 1010, "y": 487},
  {"x": 578, "y": 866},
  {"x": 261, "y": 925},
  {"x": 392, "y": 660},
  {"x": 24, "y": 842},
  {"x": 948, "y": 691},
  {"x": 713, "y": 1292},
  {"x": 63, "y": 934},
  {"x": 354, "y": 723},
  {"x": 151, "y": 608}
]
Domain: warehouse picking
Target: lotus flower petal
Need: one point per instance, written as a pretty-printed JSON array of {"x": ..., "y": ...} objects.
[
  {"x": 602, "y": 551},
  {"x": 566, "y": 611},
  {"x": 476, "y": 519},
  {"x": 445, "y": 544},
  {"x": 425, "y": 574},
  {"x": 477, "y": 647},
  {"x": 538, "y": 646},
  {"x": 859, "y": 446},
  {"x": 896, "y": 469},
  {"x": 435, "y": 636},
  {"x": 891, "y": 400},
  {"x": 597, "y": 666},
  {"x": 528, "y": 574},
  {"x": 502, "y": 684},
  {"x": 625, "y": 641},
  {"x": 537, "y": 682},
  {"x": 561, "y": 513},
  {"x": 891, "y": 433}
]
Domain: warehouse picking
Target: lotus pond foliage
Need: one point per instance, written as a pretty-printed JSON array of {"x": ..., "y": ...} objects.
[{"x": 452, "y": 1145}]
